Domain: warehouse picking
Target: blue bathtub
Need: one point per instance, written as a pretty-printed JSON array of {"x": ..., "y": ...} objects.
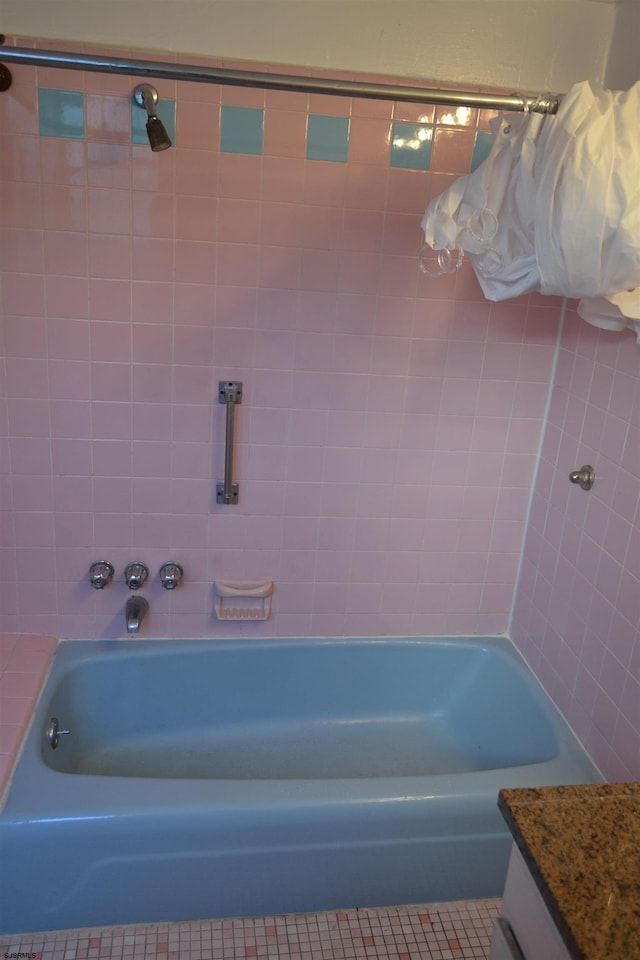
[{"x": 225, "y": 778}]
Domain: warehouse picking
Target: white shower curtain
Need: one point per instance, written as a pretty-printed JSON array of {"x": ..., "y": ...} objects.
[{"x": 555, "y": 207}]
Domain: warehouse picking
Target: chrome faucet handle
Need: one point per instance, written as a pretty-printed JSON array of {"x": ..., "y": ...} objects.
[
  {"x": 100, "y": 574},
  {"x": 135, "y": 574},
  {"x": 171, "y": 574}
]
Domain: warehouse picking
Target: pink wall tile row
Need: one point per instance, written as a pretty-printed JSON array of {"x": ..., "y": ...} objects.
[
  {"x": 577, "y": 616},
  {"x": 389, "y": 424}
]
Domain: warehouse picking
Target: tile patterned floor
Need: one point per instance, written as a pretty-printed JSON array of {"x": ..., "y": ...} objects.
[{"x": 434, "y": 931}]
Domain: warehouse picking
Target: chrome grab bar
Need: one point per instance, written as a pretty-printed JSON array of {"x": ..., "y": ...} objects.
[{"x": 229, "y": 393}]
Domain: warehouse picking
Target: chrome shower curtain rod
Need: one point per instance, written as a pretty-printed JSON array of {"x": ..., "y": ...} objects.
[{"x": 545, "y": 103}]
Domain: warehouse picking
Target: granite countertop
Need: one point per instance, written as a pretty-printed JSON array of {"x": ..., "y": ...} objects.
[{"x": 582, "y": 846}]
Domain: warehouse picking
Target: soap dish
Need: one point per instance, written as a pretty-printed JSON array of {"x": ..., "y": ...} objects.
[{"x": 239, "y": 600}]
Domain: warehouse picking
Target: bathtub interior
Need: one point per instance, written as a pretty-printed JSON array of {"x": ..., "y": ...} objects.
[
  {"x": 274, "y": 711},
  {"x": 88, "y": 849}
]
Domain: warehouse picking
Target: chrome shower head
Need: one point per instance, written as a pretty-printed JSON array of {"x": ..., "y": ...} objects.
[{"x": 146, "y": 96}]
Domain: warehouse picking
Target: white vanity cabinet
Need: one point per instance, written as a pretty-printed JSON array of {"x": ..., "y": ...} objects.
[{"x": 526, "y": 930}]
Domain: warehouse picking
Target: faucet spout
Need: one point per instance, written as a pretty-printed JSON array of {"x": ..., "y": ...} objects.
[{"x": 135, "y": 612}]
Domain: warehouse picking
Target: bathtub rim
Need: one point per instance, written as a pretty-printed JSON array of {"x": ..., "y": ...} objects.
[{"x": 23, "y": 794}]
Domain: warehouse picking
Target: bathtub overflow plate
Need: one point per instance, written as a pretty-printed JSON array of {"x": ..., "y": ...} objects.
[{"x": 54, "y": 732}]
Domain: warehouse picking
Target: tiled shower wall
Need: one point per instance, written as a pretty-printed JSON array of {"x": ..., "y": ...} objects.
[
  {"x": 390, "y": 422},
  {"x": 577, "y": 616}
]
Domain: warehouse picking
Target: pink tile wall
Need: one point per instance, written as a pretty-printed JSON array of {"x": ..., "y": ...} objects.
[
  {"x": 8, "y": 586},
  {"x": 24, "y": 662},
  {"x": 390, "y": 422},
  {"x": 577, "y": 614}
]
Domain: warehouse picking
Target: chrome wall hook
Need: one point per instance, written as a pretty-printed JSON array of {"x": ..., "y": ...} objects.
[{"x": 584, "y": 477}]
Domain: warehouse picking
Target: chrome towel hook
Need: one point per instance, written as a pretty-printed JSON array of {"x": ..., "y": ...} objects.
[{"x": 584, "y": 477}]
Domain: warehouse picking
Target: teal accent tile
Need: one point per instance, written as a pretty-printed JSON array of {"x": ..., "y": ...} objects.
[
  {"x": 411, "y": 145},
  {"x": 328, "y": 138},
  {"x": 242, "y": 130},
  {"x": 166, "y": 110},
  {"x": 482, "y": 144},
  {"x": 61, "y": 114}
]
